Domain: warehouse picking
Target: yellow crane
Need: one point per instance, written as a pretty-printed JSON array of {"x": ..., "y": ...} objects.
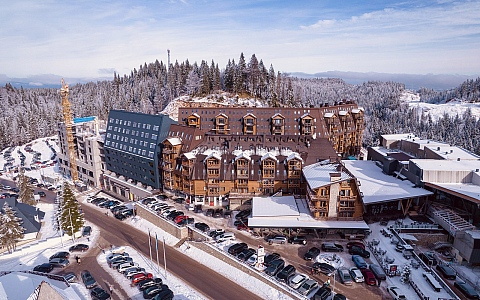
[{"x": 67, "y": 118}]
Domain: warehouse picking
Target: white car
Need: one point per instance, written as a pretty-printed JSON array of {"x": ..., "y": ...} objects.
[
  {"x": 252, "y": 260},
  {"x": 357, "y": 275},
  {"x": 297, "y": 280},
  {"x": 121, "y": 268},
  {"x": 396, "y": 293}
]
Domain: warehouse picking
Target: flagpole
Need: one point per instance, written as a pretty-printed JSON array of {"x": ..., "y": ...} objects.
[
  {"x": 164, "y": 257},
  {"x": 156, "y": 248},
  {"x": 149, "y": 244}
]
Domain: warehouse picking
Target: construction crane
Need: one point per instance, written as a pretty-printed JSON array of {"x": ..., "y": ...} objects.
[{"x": 67, "y": 118}]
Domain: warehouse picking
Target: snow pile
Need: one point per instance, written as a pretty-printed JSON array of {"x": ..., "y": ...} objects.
[{"x": 409, "y": 96}]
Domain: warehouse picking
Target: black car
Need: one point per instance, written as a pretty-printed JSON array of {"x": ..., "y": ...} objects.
[
  {"x": 78, "y": 247},
  {"x": 227, "y": 214},
  {"x": 312, "y": 253},
  {"x": 179, "y": 200},
  {"x": 218, "y": 213},
  {"x": 354, "y": 250},
  {"x": 44, "y": 268},
  {"x": 285, "y": 273},
  {"x": 42, "y": 194},
  {"x": 202, "y": 226},
  {"x": 209, "y": 212},
  {"x": 98, "y": 293},
  {"x": 87, "y": 230},
  {"x": 466, "y": 289},
  {"x": 152, "y": 291},
  {"x": 322, "y": 294},
  {"x": 274, "y": 267},
  {"x": 166, "y": 294},
  {"x": 271, "y": 257},
  {"x": 299, "y": 239},
  {"x": 237, "y": 248},
  {"x": 245, "y": 254},
  {"x": 428, "y": 259},
  {"x": 88, "y": 279},
  {"x": 339, "y": 297},
  {"x": 144, "y": 284},
  {"x": 239, "y": 222},
  {"x": 447, "y": 271},
  {"x": 243, "y": 214},
  {"x": 62, "y": 254},
  {"x": 323, "y": 268},
  {"x": 197, "y": 208},
  {"x": 332, "y": 247}
]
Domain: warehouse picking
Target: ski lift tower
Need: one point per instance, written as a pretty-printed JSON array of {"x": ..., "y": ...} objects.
[{"x": 67, "y": 118}]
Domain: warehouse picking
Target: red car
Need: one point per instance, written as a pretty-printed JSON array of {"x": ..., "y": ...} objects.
[
  {"x": 369, "y": 277},
  {"x": 242, "y": 227},
  {"x": 179, "y": 219},
  {"x": 358, "y": 244},
  {"x": 142, "y": 276}
]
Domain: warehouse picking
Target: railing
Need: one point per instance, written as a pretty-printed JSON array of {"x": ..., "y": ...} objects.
[{"x": 346, "y": 209}]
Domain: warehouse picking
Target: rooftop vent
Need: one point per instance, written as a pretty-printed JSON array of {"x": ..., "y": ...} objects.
[{"x": 458, "y": 159}]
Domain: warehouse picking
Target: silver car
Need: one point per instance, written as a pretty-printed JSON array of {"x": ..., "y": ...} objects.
[
  {"x": 59, "y": 262},
  {"x": 297, "y": 280},
  {"x": 307, "y": 287}
]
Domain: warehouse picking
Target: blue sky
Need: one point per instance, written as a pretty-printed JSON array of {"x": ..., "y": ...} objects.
[{"x": 93, "y": 38}]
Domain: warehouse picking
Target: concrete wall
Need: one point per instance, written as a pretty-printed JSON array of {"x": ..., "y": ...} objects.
[{"x": 162, "y": 223}]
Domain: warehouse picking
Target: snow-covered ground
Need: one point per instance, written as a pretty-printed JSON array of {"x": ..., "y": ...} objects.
[{"x": 452, "y": 108}]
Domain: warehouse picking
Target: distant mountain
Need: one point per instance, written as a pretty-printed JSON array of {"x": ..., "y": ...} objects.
[
  {"x": 45, "y": 81},
  {"x": 411, "y": 81}
]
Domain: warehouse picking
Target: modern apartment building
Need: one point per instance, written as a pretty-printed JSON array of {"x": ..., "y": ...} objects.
[{"x": 88, "y": 139}]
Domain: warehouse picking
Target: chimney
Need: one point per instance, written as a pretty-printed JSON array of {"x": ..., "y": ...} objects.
[
  {"x": 438, "y": 148},
  {"x": 458, "y": 159},
  {"x": 335, "y": 176},
  {"x": 451, "y": 150}
]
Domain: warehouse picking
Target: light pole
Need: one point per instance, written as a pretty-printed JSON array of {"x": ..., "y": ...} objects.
[{"x": 333, "y": 286}]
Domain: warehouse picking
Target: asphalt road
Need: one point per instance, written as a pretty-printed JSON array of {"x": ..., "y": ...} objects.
[{"x": 113, "y": 232}]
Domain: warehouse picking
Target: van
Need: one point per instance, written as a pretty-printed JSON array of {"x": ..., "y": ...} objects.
[
  {"x": 225, "y": 237},
  {"x": 378, "y": 272}
]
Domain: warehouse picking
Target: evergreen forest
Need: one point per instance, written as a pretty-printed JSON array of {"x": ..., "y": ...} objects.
[{"x": 28, "y": 114}]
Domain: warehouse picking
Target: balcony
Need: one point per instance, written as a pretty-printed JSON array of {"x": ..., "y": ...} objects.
[
  {"x": 347, "y": 198},
  {"x": 213, "y": 176},
  {"x": 346, "y": 209},
  {"x": 169, "y": 151},
  {"x": 213, "y": 193},
  {"x": 242, "y": 184}
]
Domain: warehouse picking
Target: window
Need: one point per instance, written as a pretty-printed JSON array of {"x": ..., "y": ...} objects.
[
  {"x": 148, "y": 126},
  {"x": 147, "y": 135},
  {"x": 150, "y": 154},
  {"x": 155, "y": 127},
  {"x": 154, "y": 136}
]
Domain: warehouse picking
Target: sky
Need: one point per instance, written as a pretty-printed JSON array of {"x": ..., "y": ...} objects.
[{"x": 94, "y": 38}]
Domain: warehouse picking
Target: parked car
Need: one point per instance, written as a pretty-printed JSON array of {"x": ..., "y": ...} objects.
[
  {"x": 354, "y": 250},
  {"x": 378, "y": 272},
  {"x": 368, "y": 276},
  {"x": 152, "y": 291},
  {"x": 114, "y": 264},
  {"x": 88, "y": 280},
  {"x": 112, "y": 256},
  {"x": 299, "y": 239},
  {"x": 344, "y": 276},
  {"x": 246, "y": 253},
  {"x": 42, "y": 194},
  {"x": 285, "y": 273},
  {"x": 227, "y": 214},
  {"x": 357, "y": 244},
  {"x": 356, "y": 274},
  {"x": 44, "y": 268},
  {"x": 166, "y": 294},
  {"x": 243, "y": 214},
  {"x": 447, "y": 271},
  {"x": 274, "y": 267},
  {"x": 396, "y": 293},
  {"x": 278, "y": 239},
  {"x": 466, "y": 289},
  {"x": 78, "y": 247},
  {"x": 129, "y": 273},
  {"x": 297, "y": 280},
  {"x": 146, "y": 283},
  {"x": 198, "y": 208},
  {"x": 87, "y": 230},
  {"x": 312, "y": 253},
  {"x": 70, "y": 277},
  {"x": 332, "y": 247},
  {"x": 98, "y": 293},
  {"x": 307, "y": 287},
  {"x": 61, "y": 254},
  {"x": 209, "y": 212},
  {"x": 125, "y": 266},
  {"x": 202, "y": 226},
  {"x": 428, "y": 259},
  {"x": 271, "y": 257},
  {"x": 323, "y": 268},
  {"x": 339, "y": 297},
  {"x": 252, "y": 260},
  {"x": 218, "y": 213},
  {"x": 237, "y": 248},
  {"x": 322, "y": 293},
  {"x": 226, "y": 236},
  {"x": 359, "y": 262},
  {"x": 59, "y": 262},
  {"x": 216, "y": 232},
  {"x": 179, "y": 200},
  {"x": 140, "y": 276}
]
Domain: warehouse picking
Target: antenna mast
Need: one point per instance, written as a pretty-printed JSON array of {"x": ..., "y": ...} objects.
[{"x": 67, "y": 118}]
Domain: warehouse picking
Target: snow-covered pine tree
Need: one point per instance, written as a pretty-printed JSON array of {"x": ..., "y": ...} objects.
[
  {"x": 71, "y": 219},
  {"x": 10, "y": 229},
  {"x": 26, "y": 190}
]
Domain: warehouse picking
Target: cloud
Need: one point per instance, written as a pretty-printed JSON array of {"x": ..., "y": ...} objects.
[{"x": 106, "y": 71}]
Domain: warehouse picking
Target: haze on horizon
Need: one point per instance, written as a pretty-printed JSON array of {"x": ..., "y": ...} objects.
[{"x": 93, "y": 39}]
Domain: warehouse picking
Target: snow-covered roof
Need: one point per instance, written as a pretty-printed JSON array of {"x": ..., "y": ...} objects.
[
  {"x": 378, "y": 187},
  {"x": 189, "y": 155},
  {"x": 446, "y": 165},
  {"x": 305, "y": 115},
  {"x": 318, "y": 175},
  {"x": 222, "y": 115},
  {"x": 452, "y": 152},
  {"x": 195, "y": 115},
  {"x": 243, "y": 155},
  {"x": 294, "y": 155},
  {"x": 467, "y": 189},
  {"x": 397, "y": 136},
  {"x": 328, "y": 115},
  {"x": 20, "y": 285},
  {"x": 342, "y": 113},
  {"x": 269, "y": 155},
  {"x": 213, "y": 154},
  {"x": 250, "y": 114},
  {"x": 278, "y": 115},
  {"x": 174, "y": 141},
  {"x": 355, "y": 111},
  {"x": 288, "y": 212}
]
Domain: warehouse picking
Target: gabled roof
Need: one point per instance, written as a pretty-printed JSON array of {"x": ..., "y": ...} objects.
[
  {"x": 318, "y": 175},
  {"x": 222, "y": 115},
  {"x": 306, "y": 115},
  {"x": 174, "y": 141},
  {"x": 250, "y": 114},
  {"x": 328, "y": 115},
  {"x": 189, "y": 155},
  {"x": 294, "y": 155},
  {"x": 195, "y": 115},
  {"x": 243, "y": 155},
  {"x": 342, "y": 113},
  {"x": 269, "y": 155},
  {"x": 278, "y": 115},
  {"x": 213, "y": 154}
]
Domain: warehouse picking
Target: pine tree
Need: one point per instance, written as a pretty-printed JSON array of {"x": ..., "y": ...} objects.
[
  {"x": 10, "y": 229},
  {"x": 71, "y": 219},
  {"x": 26, "y": 190}
]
